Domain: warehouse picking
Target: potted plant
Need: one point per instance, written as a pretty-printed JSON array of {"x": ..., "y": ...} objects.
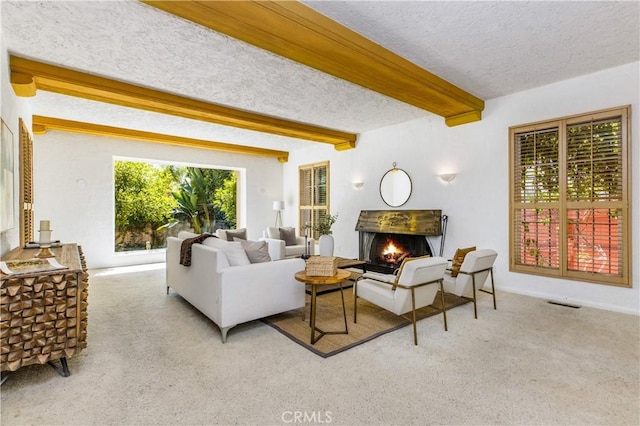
[{"x": 323, "y": 227}]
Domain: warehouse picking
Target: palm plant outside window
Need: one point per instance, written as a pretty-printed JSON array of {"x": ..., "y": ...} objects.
[{"x": 570, "y": 197}]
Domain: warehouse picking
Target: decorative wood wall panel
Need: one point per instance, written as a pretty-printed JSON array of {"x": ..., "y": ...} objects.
[{"x": 43, "y": 316}]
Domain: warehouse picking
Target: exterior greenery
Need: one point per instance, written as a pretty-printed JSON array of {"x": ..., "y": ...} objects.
[
  {"x": 142, "y": 204},
  {"x": 152, "y": 202}
]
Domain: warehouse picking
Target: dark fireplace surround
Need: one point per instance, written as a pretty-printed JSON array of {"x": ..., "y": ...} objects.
[{"x": 386, "y": 237}]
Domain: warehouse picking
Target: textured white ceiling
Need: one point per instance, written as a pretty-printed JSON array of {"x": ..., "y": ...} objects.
[
  {"x": 494, "y": 48},
  {"x": 489, "y": 49}
]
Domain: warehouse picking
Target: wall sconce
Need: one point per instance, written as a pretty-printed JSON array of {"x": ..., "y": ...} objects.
[
  {"x": 278, "y": 206},
  {"x": 358, "y": 185},
  {"x": 447, "y": 177}
]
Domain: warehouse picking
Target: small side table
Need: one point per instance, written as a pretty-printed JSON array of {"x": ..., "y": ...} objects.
[{"x": 314, "y": 282}]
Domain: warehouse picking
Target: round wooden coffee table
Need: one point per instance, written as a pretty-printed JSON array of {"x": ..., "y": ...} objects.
[{"x": 314, "y": 282}]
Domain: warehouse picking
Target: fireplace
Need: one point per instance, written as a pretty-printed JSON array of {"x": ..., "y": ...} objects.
[{"x": 389, "y": 236}]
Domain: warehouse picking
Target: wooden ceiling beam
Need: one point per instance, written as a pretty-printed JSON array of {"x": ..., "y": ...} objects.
[
  {"x": 28, "y": 76},
  {"x": 43, "y": 124},
  {"x": 296, "y": 31}
]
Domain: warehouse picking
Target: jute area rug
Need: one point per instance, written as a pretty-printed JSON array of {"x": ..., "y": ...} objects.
[{"x": 373, "y": 321}]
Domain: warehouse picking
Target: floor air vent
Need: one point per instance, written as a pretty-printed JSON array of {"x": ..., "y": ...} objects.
[{"x": 568, "y": 305}]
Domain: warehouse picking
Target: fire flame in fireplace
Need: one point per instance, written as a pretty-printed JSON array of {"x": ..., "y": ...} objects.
[
  {"x": 390, "y": 249},
  {"x": 393, "y": 254}
]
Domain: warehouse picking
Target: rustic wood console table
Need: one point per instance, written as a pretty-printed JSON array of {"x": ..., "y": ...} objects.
[{"x": 43, "y": 315}]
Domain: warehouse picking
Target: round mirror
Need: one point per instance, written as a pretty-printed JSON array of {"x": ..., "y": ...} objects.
[{"x": 395, "y": 187}]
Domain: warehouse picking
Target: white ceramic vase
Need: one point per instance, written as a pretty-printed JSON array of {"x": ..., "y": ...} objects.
[{"x": 325, "y": 245}]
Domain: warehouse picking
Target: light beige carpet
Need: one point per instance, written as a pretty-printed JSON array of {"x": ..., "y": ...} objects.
[
  {"x": 373, "y": 321},
  {"x": 152, "y": 359}
]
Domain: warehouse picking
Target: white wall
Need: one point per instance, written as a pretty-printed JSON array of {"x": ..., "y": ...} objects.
[
  {"x": 84, "y": 214},
  {"x": 477, "y": 201},
  {"x": 12, "y": 108}
]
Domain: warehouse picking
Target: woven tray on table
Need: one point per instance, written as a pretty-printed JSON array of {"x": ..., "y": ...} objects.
[{"x": 321, "y": 266}]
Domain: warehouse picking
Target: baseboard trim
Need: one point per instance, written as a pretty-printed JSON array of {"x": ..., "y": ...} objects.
[{"x": 571, "y": 301}]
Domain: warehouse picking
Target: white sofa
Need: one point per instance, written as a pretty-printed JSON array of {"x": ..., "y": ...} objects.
[
  {"x": 231, "y": 295},
  {"x": 279, "y": 250}
]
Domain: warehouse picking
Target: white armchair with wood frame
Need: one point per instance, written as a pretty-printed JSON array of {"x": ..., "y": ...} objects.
[
  {"x": 472, "y": 276},
  {"x": 415, "y": 286}
]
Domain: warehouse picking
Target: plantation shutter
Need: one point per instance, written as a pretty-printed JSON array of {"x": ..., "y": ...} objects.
[
  {"x": 536, "y": 197},
  {"x": 314, "y": 194},
  {"x": 306, "y": 194},
  {"x": 26, "y": 185},
  {"x": 570, "y": 197},
  {"x": 596, "y": 196}
]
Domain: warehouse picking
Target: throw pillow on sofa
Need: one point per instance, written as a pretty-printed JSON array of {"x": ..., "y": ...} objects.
[
  {"x": 289, "y": 236},
  {"x": 230, "y": 234},
  {"x": 233, "y": 250},
  {"x": 237, "y": 233},
  {"x": 257, "y": 251},
  {"x": 274, "y": 232}
]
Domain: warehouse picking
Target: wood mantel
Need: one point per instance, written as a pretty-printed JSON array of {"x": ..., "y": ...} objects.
[{"x": 409, "y": 222}]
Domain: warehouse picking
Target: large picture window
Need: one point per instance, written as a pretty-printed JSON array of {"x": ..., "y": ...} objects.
[
  {"x": 570, "y": 197},
  {"x": 153, "y": 201},
  {"x": 314, "y": 195}
]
